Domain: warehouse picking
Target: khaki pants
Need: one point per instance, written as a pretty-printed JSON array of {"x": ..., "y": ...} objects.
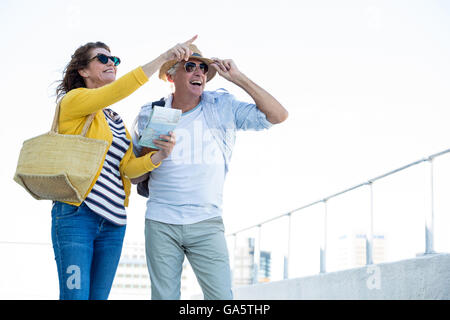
[{"x": 204, "y": 245}]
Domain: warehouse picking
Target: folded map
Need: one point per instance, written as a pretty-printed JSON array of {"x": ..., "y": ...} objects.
[{"x": 162, "y": 121}]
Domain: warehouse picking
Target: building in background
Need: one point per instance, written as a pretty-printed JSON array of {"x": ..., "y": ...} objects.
[
  {"x": 245, "y": 269},
  {"x": 264, "y": 267},
  {"x": 352, "y": 250},
  {"x": 242, "y": 268},
  {"x": 132, "y": 280}
]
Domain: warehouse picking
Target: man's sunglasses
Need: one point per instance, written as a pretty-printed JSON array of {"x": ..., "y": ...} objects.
[
  {"x": 192, "y": 66},
  {"x": 103, "y": 58}
]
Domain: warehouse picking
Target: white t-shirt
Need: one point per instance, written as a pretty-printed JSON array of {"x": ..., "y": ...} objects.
[{"x": 188, "y": 185}]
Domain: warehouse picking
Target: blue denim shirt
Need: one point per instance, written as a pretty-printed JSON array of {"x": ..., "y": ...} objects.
[{"x": 224, "y": 115}]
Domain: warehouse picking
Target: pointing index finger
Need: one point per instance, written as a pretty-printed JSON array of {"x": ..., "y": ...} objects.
[{"x": 191, "y": 40}]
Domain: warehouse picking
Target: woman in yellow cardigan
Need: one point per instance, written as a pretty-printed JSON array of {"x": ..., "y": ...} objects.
[{"x": 87, "y": 237}]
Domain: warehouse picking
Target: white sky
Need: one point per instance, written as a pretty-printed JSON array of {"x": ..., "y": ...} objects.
[{"x": 365, "y": 83}]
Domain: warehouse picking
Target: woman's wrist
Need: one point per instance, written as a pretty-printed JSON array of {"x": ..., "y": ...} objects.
[
  {"x": 154, "y": 65},
  {"x": 156, "y": 158}
]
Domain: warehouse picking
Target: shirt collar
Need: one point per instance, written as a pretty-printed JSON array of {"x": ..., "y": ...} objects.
[{"x": 207, "y": 96}]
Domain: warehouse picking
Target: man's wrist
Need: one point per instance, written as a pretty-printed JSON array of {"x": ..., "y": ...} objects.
[{"x": 241, "y": 80}]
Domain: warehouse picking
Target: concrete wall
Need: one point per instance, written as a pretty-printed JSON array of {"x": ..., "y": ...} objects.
[{"x": 425, "y": 277}]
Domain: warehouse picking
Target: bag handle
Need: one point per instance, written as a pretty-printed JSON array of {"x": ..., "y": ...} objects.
[{"x": 56, "y": 119}]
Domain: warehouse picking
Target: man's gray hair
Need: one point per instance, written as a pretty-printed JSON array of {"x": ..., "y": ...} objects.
[{"x": 173, "y": 69}]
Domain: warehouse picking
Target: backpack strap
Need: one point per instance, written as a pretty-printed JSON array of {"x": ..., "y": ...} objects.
[
  {"x": 142, "y": 187},
  {"x": 159, "y": 103}
]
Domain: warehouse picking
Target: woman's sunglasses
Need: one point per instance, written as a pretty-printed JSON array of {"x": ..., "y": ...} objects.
[
  {"x": 192, "y": 66},
  {"x": 103, "y": 58}
]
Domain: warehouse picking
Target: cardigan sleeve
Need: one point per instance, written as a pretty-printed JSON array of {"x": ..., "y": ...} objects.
[
  {"x": 136, "y": 167},
  {"x": 81, "y": 102}
]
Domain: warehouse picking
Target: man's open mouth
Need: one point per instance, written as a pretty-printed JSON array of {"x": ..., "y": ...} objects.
[{"x": 196, "y": 82}]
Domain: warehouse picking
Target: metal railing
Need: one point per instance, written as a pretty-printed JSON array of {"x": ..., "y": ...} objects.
[{"x": 429, "y": 218}]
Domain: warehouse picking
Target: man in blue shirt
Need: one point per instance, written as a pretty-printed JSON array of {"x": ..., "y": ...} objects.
[{"x": 184, "y": 206}]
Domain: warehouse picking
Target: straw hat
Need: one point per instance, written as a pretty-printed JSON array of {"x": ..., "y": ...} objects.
[{"x": 196, "y": 54}]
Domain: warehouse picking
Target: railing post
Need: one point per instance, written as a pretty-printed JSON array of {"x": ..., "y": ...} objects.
[
  {"x": 323, "y": 246},
  {"x": 288, "y": 259},
  {"x": 257, "y": 256},
  {"x": 429, "y": 218},
  {"x": 369, "y": 237},
  {"x": 233, "y": 256}
]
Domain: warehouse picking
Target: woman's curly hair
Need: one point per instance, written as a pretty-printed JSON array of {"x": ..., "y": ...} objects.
[{"x": 79, "y": 60}]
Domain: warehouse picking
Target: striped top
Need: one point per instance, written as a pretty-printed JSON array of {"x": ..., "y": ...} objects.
[{"x": 107, "y": 196}]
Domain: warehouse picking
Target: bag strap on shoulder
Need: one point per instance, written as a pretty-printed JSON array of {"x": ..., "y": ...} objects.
[{"x": 55, "y": 124}]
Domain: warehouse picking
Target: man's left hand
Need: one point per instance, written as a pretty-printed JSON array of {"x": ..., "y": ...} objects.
[{"x": 227, "y": 69}]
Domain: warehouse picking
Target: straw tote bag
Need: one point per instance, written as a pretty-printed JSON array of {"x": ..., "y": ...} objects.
[{"x": 60, "y": 167}]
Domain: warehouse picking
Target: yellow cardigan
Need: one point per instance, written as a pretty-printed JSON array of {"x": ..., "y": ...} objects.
[{"x": 79, "y": 103}]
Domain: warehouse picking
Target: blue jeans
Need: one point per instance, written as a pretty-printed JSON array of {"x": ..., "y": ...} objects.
[
  {"x": 203, "y": 243},
  {"x": 87, "y": 251}
]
